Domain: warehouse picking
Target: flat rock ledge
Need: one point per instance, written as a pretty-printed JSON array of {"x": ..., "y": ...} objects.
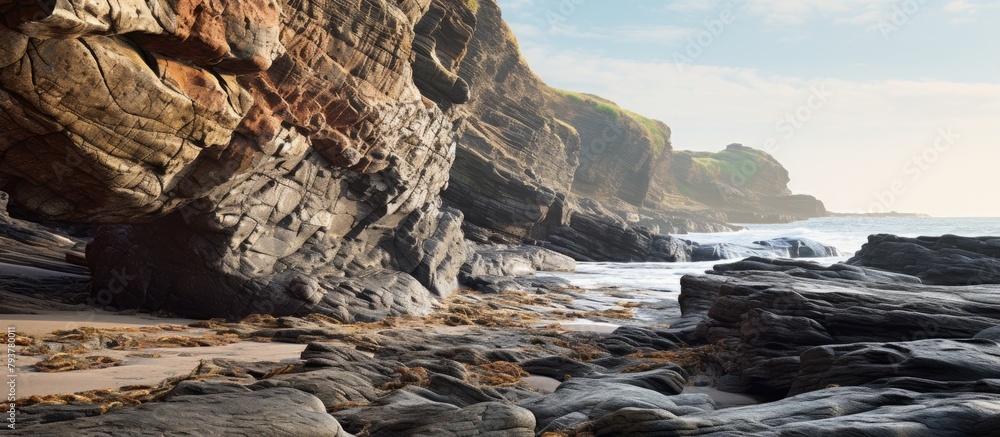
[
  {"x": 841, "y": 349},
  {"x": 945, "y": 260},
  {"x": 276, "y": 412}
]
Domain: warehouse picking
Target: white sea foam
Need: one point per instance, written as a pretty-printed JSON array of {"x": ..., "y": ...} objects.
[{"x": 847, "y": 234}]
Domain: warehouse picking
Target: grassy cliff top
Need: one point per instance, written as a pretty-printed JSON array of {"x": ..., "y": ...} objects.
[
  {"x": 659, "y": 132},
  {"x": 736, "y": 165}
]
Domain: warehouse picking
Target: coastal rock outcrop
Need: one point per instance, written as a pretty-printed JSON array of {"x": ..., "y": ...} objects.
[
  {"x": 289, "y": 157},
  {"x": 580, "y": 175},
  {"x": 311, "y": 168},
  {"x": 945, "y": 260},
  {"x": 747, "y": 185},
  {"x": 513, "y": 159},
  {"x": 764, "y": 346},
  {"x": 601, "y": 238},
  {"x": 799, "y": 247},
  {"x": 595, "y": 397},
  {"x": 796, "y": 326},
  {"x": 247, "y": 157},
  {"x": 27, "y": 244},
  {"x": 930, "y": 365},
  {"x": 830, "y": 412},
  {"x": 239, "y": 414},
  {"x": 784, "y": 247}
]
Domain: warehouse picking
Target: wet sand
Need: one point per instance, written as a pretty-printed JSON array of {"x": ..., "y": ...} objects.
[
  {"x": 543, "y": 384},
  {"x": 40, "y": 324},
  {"x": 148, "y": 366},
  {"x": 139, "y": 369}
]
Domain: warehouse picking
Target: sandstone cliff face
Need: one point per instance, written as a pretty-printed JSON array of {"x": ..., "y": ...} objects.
[
  {"x": 623, "y": 155},
  {"x": 627, "y": 162},
  {"x": 273, "y": 157},
  {"x": 513, "y": 158},
  {"x": 582, "y": 175},
  {"x": 286, "y": 157},
  {"x": 531, "y": 162}
]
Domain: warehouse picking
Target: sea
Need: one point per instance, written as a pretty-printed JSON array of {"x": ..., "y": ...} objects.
[{"x": 847, "y": 234}]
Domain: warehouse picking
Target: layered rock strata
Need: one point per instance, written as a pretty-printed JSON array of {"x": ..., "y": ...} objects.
[
  {"x": 945, "y": 260},
  {"x": 268, "y": 157},
  {"x": 835, "y": 350},
  {"x": 796, "y": 327},
  {"x": 586, "y": 177},
  {"x": 287, "y": 157}
]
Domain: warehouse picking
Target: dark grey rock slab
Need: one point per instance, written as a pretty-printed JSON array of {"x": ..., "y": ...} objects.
[{"x": 274, "y": 412}]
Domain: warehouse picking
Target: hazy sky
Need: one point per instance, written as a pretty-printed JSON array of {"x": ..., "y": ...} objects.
[{"x": 871, "y": 105}]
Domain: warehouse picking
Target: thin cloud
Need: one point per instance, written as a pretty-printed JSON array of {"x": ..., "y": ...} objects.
[
  {"x": 514, "y": 5},
  {"x": 799, "y": 12},
  {"x": 525, "y": 30},
  {"x": 693, "y": 5},
  {"x": 627, "y": 34},
  {"x": 961, "y": 6},
  {"x": 867, "y": 18},
  {"x": 966, "y": 11}
]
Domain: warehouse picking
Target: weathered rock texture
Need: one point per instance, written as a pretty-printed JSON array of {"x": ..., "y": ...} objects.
[
  {"x": 513, "y": 157},
  {"x": 587, "y": 178},
  {"x": 287, "y": 157},
  {"x": 946, "y": 260},
  {"x": 36, "y": 274},
  {"x": 796, "y": 327},
  {"x": 747, "y": 185},
  {"x": 277, "y": 412},
  {"x": 777, "y": 247},
  {"x": 833, "y": 412},
  {"x": 28, "y": 244},
  {"x": 840, "y": 350},
  {"x": 270, "y": 157}
]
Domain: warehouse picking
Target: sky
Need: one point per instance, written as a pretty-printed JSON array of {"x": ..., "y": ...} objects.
[{"x": 871, "y": 105}]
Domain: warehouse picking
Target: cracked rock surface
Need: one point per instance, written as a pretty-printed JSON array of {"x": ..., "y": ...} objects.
[{"x": 245, "y": 156}]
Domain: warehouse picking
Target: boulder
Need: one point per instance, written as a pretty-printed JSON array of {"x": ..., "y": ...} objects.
[
  {"x": 812, "y": 270},
  {"x": 800, "y": 247},
  {"x": 830, "y": 412},
  {"x": 236, "y": 413},
  {"x": 243, "y": 155},
  {"x": 771, "y": 317},
  {"x": 596, "y": 397},
  {"x": 446, "y": 407},
  {"x": 897, "y": 364},
  {"x": 779, "y": 247},
  {"x": 945, "y": 260}
]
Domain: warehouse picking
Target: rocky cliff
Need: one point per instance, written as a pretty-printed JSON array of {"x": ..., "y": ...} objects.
[
  {"x": 513, "y": 158},
  {"x": 288, "y": 157},
  {"x": 627, "y": 162},
  {"x": 248, "y": 157},
  {"x": 623, "y": 155},
  {"x": 326, "y": 161},
  {"x": 581, "y": 175},
  {"x": 744, "y": 184}
]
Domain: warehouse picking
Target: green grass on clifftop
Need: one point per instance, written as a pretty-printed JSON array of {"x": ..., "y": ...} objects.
[
  {"x": 473, "y": 5},
  {"x": 736, "y": 167},
  {"x": 659, "y": 133}
]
